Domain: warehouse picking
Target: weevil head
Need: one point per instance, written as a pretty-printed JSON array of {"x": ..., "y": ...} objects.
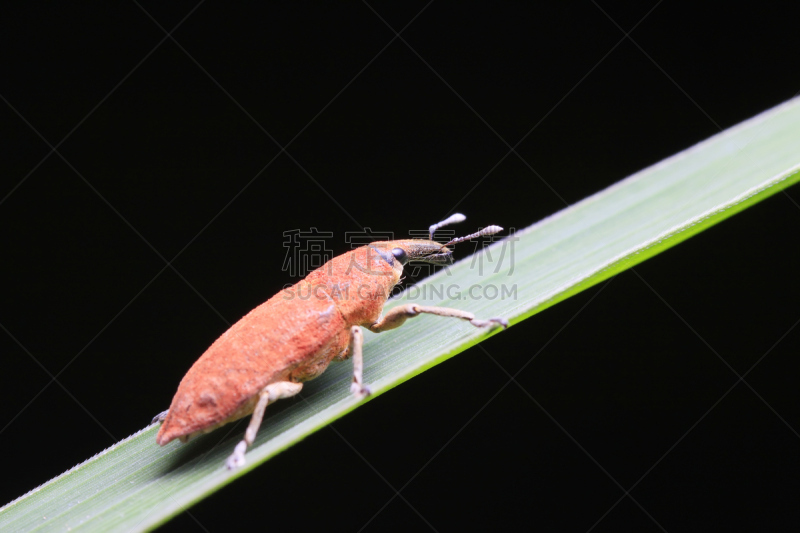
[{"x": 398, "y": 253}]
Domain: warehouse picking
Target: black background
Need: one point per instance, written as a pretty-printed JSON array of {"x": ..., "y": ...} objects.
[{"x": 170, "y": 150}]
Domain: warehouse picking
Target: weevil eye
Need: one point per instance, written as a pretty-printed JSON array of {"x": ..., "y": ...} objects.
[{"x": 400, "y": 255}]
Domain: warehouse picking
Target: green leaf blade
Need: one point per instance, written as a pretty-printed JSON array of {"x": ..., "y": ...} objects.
[{"x": 137, "y": 485}]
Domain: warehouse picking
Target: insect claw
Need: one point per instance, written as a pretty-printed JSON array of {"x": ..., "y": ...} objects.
[
  {"x": 496, "y": 321},
  {"x": 237, "y": 460},
  {"x": 360, "y": 391}
]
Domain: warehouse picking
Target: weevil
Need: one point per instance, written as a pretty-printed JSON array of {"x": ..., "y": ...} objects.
[{"x": 296, "y": 334}]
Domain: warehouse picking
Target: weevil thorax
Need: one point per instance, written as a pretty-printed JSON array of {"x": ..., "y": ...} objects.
[{"x": 395, "y": 255}]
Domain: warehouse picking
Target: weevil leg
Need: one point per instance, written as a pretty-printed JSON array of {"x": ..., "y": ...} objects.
[
  {"x": 397, "y": 316},
  {"x": 159, "y": 417},
  {"x": 270, "y": 393},
  {"x": 357, "y": 387}
]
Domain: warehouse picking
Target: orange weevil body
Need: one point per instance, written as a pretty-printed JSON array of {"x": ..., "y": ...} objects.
[{"x": 293, "y": 337}]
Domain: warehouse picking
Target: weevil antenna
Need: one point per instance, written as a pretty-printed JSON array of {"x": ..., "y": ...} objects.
[
  {"x": 452, "y": 219},
  {"x": 488, "y": 230}
]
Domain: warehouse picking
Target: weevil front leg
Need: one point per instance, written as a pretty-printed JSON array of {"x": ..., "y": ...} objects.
[
  {"x": 357, "y": 387},
  {"x": 270, "y": 393},
  {"x": 397, "y": 316}
]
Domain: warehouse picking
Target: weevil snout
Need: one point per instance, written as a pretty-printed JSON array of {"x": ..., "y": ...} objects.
[
  {"x": 424, "y": 251},
  {"x": 430, "y": 252},
  {"x": 443, "y": 257}
]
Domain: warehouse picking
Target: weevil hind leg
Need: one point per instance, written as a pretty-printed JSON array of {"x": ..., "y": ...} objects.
[
  {"x": 159, "y": 417},
  {"x": 270, "y": 393},
  {"x": 356, "y": 350},
  {"x": 397, "y": 316}
]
